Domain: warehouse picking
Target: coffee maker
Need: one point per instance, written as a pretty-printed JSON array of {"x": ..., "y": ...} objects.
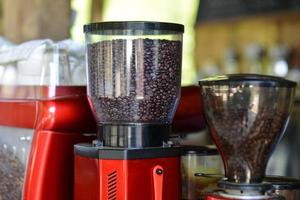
[
  {"x": 134, "y": 77},
  {"x": 247, "y": 115},
  {"x": 42, "y": 117}
]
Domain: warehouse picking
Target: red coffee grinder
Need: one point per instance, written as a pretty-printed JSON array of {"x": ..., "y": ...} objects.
[
  {"x": 247, "y": 114},
  {"x": 134, "y": 75}
]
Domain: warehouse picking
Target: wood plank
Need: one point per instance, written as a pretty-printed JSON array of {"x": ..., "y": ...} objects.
[
  {"x": 97, "y": 7},
  {"x": 34, "y": 19}
]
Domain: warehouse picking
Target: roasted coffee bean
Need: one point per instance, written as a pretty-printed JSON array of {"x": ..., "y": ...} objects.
[
  {"x": 134, "y": 80},
  {"x": 12, "y": 173}
]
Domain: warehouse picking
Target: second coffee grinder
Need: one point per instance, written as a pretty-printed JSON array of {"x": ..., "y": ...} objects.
[{"x": 247, "y": 115}]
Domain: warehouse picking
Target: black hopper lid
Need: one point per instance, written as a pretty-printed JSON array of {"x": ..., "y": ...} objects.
[
  {"x": 253, "y": 79},
  {"x": 133, "y": 25}
]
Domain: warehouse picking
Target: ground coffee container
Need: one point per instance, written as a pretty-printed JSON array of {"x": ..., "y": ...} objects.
[{"x": 201, "y": 168}]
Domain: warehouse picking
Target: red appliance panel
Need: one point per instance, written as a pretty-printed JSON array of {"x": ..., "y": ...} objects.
[
  {"x": 50, "y": 168},
  {"x": 189, "y": 115},
  {"x": 126, "y": 179},
  {"x": 59, "y": 124},
  {"x": 134, "y": 179},
  {"x": 87, "y": 178}
]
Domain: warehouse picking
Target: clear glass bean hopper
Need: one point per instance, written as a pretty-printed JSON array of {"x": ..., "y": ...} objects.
[{"x": 134, "y": 76}]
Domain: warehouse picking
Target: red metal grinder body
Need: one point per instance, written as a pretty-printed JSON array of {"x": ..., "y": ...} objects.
[{"x": 128, "y": 174}]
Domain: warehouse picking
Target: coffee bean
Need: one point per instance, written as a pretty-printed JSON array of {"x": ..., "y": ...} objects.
[
  {"x": 134, "y": 80},
  {"x": 12, "y": 173}
]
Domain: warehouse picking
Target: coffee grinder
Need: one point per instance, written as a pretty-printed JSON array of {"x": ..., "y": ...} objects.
[
  {"x": 134, "y": 78},
  {"x": 247, "y": 115}
]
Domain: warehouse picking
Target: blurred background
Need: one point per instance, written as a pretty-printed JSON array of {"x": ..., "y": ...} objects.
[
  {"x": 232, "y": 36},
  {"x": 249, "y": 36}
]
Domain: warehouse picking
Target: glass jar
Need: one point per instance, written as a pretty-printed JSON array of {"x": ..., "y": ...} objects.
[{"x": 202, "y": 168}]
